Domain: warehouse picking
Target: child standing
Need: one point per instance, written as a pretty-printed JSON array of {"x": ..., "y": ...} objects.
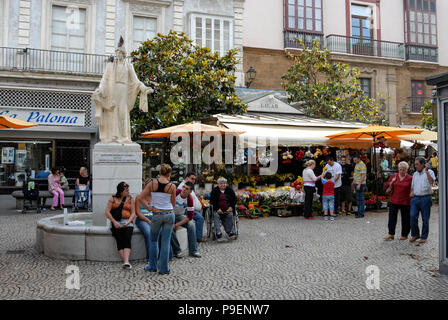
[{"x": 328, "y": 196}]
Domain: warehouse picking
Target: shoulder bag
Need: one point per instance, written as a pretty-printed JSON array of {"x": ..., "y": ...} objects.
[{"x": 116, "y": 213}]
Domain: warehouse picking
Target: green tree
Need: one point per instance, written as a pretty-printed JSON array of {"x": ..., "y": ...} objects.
[
  {"x": 428, "y": 122},
  {"x": 190, "y": 82},
  {"x": 327, "y": 89}
]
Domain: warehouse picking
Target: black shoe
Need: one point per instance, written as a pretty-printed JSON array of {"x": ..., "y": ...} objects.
[
  {"x": 358, "y": 216},
  {"x": 232, "y": 236},
  {"x": 178, "y": 255},
  {"x": 219, "y": 236}
]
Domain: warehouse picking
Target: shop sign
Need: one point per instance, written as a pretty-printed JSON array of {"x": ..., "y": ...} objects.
[
  {"x": 7, "y": 155},
  {"x": 270, "y": 104},
  {"x": 41, "y": 116}
]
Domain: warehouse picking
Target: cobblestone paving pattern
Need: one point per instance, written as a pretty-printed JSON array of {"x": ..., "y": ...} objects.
[{"x": 274, "y": 258}]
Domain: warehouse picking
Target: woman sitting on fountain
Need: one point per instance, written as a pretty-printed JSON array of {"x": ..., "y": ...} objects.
[{"x": 121, "y": 212}]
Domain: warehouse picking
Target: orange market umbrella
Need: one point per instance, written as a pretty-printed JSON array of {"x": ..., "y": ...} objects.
[
  {"x": 12, "y": 123},
  {"x": 190, "y": 128},
  {"x": 374, "y": 131}
]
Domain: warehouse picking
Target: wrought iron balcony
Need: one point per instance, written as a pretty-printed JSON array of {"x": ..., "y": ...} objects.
[
  {"x": 365, "y": 47},
  {"x": 421, "y": 53},
  {"x": 307, "y": 38},
  {"x": 417, "y": 103},
  {"x": 37, "y": 60}
]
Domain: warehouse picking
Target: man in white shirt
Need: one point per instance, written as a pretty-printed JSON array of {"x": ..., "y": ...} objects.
[
  {"x": 421, "y": 198},
  {"x": 336, "y": 171},
  {"x": 198, "y": 218}
]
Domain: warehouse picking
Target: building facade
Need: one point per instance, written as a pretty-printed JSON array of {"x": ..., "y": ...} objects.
[
  {"x": 52, "y": 57},
  {"x": 395, "y": 44}
]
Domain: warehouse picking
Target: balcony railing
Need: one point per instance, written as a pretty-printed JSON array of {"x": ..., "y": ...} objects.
[
  {"x": 26, "y": 59},
  {"x": 307, "y": 38},
  {"x": 421, "y": 53},
  {"x": 417, "y": 103},
  {"x": 365, "y": 47}
]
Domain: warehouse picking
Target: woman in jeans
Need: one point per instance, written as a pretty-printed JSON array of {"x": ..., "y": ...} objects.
[
  {"x": 55, "y": 188},
  {"x": 159, "y": 196},
  {"x": 122, "y": 230},
  {"x": 399, "y": 188},
  {"x": 309, "y": 182}
]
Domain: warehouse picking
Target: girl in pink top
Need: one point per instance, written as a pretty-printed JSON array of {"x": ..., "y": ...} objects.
[{"x": 55, "y": 189}]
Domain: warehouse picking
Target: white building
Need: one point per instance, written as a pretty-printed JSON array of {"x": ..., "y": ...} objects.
[{"x": 52, "y": 56}]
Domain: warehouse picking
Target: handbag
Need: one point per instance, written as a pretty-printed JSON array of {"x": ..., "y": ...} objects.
[
  {"x": 391, "y": 189},
  {"x": 116, "y": 213}
]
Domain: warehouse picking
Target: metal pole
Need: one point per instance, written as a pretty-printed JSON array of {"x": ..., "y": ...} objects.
[{"x": 443, "y": 263}]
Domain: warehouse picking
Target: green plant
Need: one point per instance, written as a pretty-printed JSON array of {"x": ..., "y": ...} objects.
[
  {"x": 327, "y": 89},
  {"x": 428, "y": 121},
  {"x": 190, "y": 82}
]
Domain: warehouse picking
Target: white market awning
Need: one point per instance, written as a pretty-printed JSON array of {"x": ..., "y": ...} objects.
[{"x": 291, "y": 136}]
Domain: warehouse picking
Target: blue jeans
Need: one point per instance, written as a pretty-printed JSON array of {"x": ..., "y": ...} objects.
[
  {"x": 191, "y": 234},
  {"x": 360, "y": 199},
  {"x": 199, "y": 221},
  {"x": 163, "y": 224},
  {"x": 420, "y": 204},
  {"x": 79, "y": 194},
  {"x": 327, "y": 203},
  {"x": 145, "y": 228},
  {"x": 227, "y": 221}
]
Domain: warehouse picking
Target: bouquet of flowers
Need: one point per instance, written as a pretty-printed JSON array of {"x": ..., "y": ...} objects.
[
  {"x": 287, "y": 157},
  {"x": 298, "y": 184}
]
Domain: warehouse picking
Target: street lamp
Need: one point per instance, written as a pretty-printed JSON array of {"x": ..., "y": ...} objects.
[
  {"x": 406, "y": 109},
  {"x": 250, "y": 76}
]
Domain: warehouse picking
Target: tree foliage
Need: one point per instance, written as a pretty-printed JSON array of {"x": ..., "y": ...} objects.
[
  {"x": 327, "y": 89},
  {"x": 189, "y": 82},
  {"x": 428, "y": 122}
]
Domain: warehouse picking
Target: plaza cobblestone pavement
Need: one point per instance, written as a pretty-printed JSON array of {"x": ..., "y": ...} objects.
[{"x": 273, "y": 258}]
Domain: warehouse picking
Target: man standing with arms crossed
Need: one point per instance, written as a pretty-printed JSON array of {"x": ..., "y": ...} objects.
[{"x": 421, "y": 199}]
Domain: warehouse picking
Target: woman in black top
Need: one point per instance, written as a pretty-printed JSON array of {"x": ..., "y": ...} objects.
[{"x": 82, "y": 187}]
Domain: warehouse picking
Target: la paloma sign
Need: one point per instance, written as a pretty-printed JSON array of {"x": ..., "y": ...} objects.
[{"x": 50, "y": 117}]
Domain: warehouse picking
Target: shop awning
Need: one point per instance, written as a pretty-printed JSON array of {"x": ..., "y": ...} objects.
[
  {"x": 286, "y": 135},
  {"x": 290, "y": 130}
]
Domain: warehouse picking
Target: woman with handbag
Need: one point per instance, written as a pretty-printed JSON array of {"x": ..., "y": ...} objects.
[
  {"x": 121, "y": 212},
  {"x": 399, "y": 188}
]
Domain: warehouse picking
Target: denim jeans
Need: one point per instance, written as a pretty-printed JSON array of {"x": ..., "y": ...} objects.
[
  {"x": 82, "y": 195},
  {"x": 328, "y": 203},
  {"x": 227, "y": 221},
  {"x": 191, "y": 234},
  {"x": 199, "y": 222},
  {"x": 420, "y": 204},
  {"x": 163, "y": 224},
  {"x": 360, "y": 199},
  {"x": 145, "y": 228}
]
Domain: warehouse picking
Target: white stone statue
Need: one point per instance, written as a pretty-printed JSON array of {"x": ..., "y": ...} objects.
[{"x": 115, "y": 98}]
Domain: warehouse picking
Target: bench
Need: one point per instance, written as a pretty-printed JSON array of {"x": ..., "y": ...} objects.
[{"x": 18, "y": 194}]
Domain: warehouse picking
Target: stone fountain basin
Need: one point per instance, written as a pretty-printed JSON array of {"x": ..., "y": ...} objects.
[{"x": 94, "y": 243}]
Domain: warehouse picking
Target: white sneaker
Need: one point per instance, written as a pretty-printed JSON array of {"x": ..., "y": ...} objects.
[{"x": 127, "y": 265}]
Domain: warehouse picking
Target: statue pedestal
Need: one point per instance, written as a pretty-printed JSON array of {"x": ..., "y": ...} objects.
[{"x": 113, "y": 163}]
